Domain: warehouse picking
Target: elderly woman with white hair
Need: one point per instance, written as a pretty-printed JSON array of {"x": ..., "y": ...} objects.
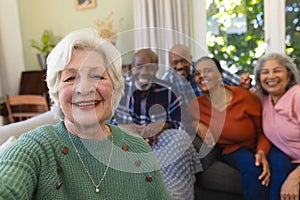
[{"x": 82, "y": 157}]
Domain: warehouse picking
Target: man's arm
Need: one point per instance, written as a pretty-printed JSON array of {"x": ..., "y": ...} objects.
[
  {"x": 243, "y": 81},
  {"x": 230, "y": 79}
]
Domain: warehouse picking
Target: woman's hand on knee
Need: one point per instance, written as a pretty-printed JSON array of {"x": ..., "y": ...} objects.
[
  {"x": 261, "y": 160},
  {"x": 290, "y": 188}
]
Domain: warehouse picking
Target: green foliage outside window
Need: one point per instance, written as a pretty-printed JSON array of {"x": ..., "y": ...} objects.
[
  {"x": 292, "y": 40},
  {"x": 241, "y": 47}
]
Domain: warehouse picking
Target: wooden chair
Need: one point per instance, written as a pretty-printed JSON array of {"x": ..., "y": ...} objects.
[{"x": 21, "y": 107}]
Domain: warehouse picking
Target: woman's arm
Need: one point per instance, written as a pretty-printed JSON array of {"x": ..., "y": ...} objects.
[
  {"x": 290, "y": 187},
  {"x": 18, "y": 171}
]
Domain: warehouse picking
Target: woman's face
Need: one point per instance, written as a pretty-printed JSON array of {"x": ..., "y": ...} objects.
[
  {"x": 274, "y": 78},
  {"x": 207, "y": 75},
  {"x": 85, "y": 89}
]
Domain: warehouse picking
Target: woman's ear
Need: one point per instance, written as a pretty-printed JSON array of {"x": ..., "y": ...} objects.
[{"x": 220, "y": 77}]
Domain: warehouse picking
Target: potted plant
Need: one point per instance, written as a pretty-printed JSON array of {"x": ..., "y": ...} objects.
[
  {"x": 44, "y": 46},
  {"x": 107, "y": 29}
]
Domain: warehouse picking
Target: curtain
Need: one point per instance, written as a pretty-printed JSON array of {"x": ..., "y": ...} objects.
[{"x": 160, "y": 24}]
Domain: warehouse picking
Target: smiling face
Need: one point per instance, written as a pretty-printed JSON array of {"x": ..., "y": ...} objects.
[
  {"x": 180, "y": 64},
  {"x": 144, "y": 70},
  {"x": 85, "y": 90},
  {"x": 207, "y": 76},
  {"x": 274, "y": 78}
]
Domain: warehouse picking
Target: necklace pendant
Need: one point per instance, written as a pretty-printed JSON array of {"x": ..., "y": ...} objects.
[{"x": 97, "y": 189}]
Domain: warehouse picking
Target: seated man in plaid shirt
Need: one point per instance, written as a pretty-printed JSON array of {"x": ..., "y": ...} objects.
[{"x": 150, "y": 109}]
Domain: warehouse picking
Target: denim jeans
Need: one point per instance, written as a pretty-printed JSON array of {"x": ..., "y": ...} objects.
[
  {"x": 281, "y": 166},
  {"x": 243, "y": 159}
]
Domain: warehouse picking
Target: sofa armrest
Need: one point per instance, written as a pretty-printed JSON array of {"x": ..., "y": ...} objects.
[{"x": 17, "y": 128}]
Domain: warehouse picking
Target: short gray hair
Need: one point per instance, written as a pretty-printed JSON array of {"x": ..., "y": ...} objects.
[
  {"x": 281, "y": 59},
  {"x": 86, "y": 38}
]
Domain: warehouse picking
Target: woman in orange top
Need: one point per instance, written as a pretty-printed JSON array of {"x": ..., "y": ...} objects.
[{"x": 231, "y": 118}]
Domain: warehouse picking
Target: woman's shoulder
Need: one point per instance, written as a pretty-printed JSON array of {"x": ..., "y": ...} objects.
[
  {"x": 45, "y": 135},
  {"x": 294, "y": 90},
  {"x": 42, "y": 142},
  {"x": 239, "y": 90},
  {"x": 46, "y": 130},
  {"x": 242, "y": 93},
  {"x": 291, "y": 97}
]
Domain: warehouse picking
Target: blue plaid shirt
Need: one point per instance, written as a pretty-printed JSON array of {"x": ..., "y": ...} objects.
[{"x": 136, "y": 109}]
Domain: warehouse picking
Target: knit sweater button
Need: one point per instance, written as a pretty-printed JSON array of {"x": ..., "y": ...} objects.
[
  {"x": 58, "y": 169},
  {"x": 149, "y": 178},
  {"x": 65, "y": 150},
  {"x": 59, "y": 184},
  {"x": 125, "y": 147},
  {"x": 138, "y": 163}
]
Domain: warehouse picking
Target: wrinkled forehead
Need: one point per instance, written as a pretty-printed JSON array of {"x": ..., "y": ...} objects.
[{"x": 86, "y": 60}]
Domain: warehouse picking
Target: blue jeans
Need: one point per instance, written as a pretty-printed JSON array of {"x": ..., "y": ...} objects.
[
  {"x": 243, "y": 159},
  {"x": 281, "y": 166}
]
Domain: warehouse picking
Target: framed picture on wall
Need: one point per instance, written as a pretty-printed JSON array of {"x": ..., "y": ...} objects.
[{"x": 84, "y": 4}]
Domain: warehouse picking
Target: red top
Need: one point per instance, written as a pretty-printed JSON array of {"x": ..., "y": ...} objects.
[{"x": 239, "y": 125}]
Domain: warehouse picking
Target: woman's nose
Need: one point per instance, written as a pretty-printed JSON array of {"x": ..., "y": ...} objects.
[
  {"x": 85, "y": 86},
  {"x": 271, "y": 74}
]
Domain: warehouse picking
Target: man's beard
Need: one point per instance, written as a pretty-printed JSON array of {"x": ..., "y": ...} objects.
[
  {"x": 143, "y": 84},
  {"x": 182, "y": 72}
]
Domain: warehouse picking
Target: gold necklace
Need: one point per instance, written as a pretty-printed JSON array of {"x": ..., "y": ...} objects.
[{"x": 85, "y": 168}]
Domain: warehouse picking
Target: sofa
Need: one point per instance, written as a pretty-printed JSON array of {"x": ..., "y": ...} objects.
[
  {"x": 16, "y": 129},
  {"x": 218, "y": 181}
]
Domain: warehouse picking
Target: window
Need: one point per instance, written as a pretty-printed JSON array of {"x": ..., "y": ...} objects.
[
  {"x": 235, "y": 33},
  {"x": 292, "y": 39}
]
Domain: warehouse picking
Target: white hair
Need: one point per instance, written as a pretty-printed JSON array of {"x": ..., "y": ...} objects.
[{"x": 86, "y": 38}]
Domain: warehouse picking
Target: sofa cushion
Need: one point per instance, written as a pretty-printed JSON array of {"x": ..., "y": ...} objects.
[
  {"x": 207, "y": 154},
  {"x": 220, "y": 177}
]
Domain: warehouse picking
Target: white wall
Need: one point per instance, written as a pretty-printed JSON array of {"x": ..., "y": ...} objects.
[
  {"x": 11, "y": 55},
  {"x": 61, "y": 17}
]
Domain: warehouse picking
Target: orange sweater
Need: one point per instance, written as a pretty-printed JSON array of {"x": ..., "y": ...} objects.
[{"x": 239, "y": 125}]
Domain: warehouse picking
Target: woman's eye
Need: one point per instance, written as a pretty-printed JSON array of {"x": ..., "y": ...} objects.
[
  {"x": 98, "y": 77},
  {"x": 69, "y": 79},
  {"x": 264, "y": 72},
  {"x": 207, "y": 70}
]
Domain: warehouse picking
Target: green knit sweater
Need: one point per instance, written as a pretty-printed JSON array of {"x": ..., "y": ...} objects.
[{"x": 43, "y": 164}]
